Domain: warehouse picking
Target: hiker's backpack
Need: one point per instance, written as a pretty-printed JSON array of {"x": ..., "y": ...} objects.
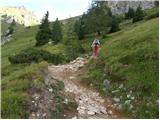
[{"x": 96, "y": 43}]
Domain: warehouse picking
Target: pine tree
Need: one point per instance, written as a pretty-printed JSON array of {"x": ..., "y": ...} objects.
[
  {"x": 156, "y": 3},
  {"x": 44, "y": 33},
  {"x": 56, "y": 32},
  {"x": 114, "y": 25},
  {"x": 130, "y": 13},
  {"x": 79, "y": 29},
  {"x": 138, "y": 15},
  {"x": 73, "y": 47},
  {"x": 109, "y": 12},
  {"x": 98, "y": 17}
]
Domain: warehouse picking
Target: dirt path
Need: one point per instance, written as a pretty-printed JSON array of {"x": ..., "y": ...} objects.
[{"x": 90, "y": 103}]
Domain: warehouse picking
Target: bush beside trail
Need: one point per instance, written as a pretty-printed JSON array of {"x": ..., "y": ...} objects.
[{"x": 30, "y": 55}]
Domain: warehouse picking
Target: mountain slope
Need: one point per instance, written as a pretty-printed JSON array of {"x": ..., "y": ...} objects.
[
  {"x": 129, "y": 59},
  {"x": 119, "y": 7},
  {"x": 20, "y": 14}
]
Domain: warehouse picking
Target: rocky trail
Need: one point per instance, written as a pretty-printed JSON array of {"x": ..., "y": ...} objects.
[{"x": 91, "y": 105}]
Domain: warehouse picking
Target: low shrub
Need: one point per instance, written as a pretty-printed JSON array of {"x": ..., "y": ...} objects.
[
  {"x": 151, "y": 13},
  {"x": 151, "y": 16},
  {"x": 30, "y": 55}
]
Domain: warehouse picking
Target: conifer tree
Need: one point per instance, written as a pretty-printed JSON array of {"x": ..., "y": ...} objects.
[
  {"x": 79, "y": 29},
  {"x": 156, "y": 3},
  {"x": 114, "y": 25},
  {"x": 130, "y": 13},
  {"x": 56, "y": 32},
  {"x": 98, "y": 17},
  {"x": 139, "y": 14},
  {"x": 73, "y": 47},
  {"x": 44, "y": 32}
]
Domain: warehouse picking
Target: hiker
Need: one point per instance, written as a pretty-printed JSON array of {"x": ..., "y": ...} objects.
[{"x": 95, "y": 46}]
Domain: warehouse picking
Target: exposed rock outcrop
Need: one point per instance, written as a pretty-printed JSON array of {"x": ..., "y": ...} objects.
[
  {"x": 119, "y": 7},
  {"x": 20, "y": 14}
]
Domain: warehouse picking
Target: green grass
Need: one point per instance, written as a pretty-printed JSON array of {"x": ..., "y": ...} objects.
[
  {"x": 17, "y": 79},
  {"x": 59, "y": 48},
  {"x": 4, "y": 26},
  {"x": 15, "y": 85},
  {"x": 25, "y": 38},
  {"x": 130, "y": 56},
  {"x": 13, "y": 105},
  {"x": 61, "y": 106},
  {"x": 136, "y": 45}
]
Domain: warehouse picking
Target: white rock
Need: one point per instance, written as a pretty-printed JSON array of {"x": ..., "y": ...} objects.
[
  {"x": 33, "y": 115},
  {"x": 81, "y": 112},
  {"x": 50, "y": 90},
  {"x": 44, "y": 114},
  {"x": 132, "y": 98},
  {"x": 38, "y": 114},
  {"x": 33, "y": 101},
  {"x": 86, "y": 99},
  {"x": 50, "y": 42},
  {"x": 110, "y": 112},
  {"x": 120, "y": 107},
  {"x": 80, "y": 58},
  {"x": 93, "y": 109},
  {"x": 115, "y": 105},
  {"x": 71, "y": 77},
  {"x": 115, "y": 91},
  {"x": 82, "y": 108},
  {"x": 128, "y": 96},
  {"x": 90, "y": 113},
  {"x": 121, "y": 86},
  {"x": 101, "y": 100},
  {"x": 66, "y": 101},
  {"x": 74, "y": 61},
  {"x": 78, "y": 108},
  {"x": 75, "y": 117},
  {"x": 36, "y": 96},
  {"x": 116, "y": 99},
  {"x": 35, "y": 104},
  {"x": 81, "y": 102},
  {"x": 127, "y": 102},
  {"x": 70, "y": 67},
  {"x": 130, "y": 107},
  {"x": 106, "y": 83},
  {"x": 103, "y": 110}
]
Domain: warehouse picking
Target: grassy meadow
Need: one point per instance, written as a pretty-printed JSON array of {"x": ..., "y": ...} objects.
[{"x": 128, "y": 57}]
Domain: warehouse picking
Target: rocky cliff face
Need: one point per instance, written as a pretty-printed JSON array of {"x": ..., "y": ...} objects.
[
  {"x": 20, "y": 14},
  {"x": 119, "y": 7}
]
